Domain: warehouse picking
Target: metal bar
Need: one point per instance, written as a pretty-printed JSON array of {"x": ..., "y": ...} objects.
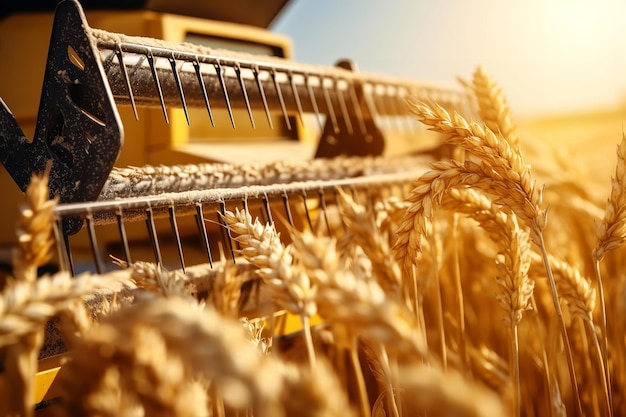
[{"x": 215, "y": 195}]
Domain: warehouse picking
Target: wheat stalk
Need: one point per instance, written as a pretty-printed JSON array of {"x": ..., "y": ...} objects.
[{"x": 511, "y": 185}]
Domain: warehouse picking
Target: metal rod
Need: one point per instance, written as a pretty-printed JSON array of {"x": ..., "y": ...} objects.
[
  {"x": 215, "y": 195},
  {"x": 203, "y": 232},
  {"x": 174, "y": 226},
  {"x": 313, "y": 101}
]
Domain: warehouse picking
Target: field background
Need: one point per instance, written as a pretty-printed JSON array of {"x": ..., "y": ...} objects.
[{"x": 578, "y": 145}]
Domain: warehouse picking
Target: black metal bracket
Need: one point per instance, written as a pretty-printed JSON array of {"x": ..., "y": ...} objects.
[
  {"x": 352, "y": 133},
  {"x": 78, "y": 131}
]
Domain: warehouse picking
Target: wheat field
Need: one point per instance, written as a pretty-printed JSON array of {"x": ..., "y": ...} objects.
[{"x": 494, "y": 288}]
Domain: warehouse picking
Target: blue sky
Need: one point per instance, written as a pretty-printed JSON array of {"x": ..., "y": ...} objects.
[{"x": 549, "y": 56}]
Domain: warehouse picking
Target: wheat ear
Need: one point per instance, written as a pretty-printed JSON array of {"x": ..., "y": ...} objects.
[
  {"x": 492, "y": 106},
  {"x": 512, "y": 187},
  {"x": 291, "y": 286},
  {"x": 35, "y": 239},
  {"x": 611, "y": 234}
]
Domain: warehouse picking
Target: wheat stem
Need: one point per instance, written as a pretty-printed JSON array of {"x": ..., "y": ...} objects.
[
  {"x": 459, "y": 293},
  {"x": 538, "y": 235},
  {"x": 515, "y": 373},
  {"x": 439, "y": 298},
  {"x": 360, "y": 380},
  {"x": 604, "y": 357},
  {"x": 306, "y": 326}
]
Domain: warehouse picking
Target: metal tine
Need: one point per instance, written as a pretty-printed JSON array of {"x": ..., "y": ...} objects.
[
  {"x": 404, "y": 108},
  {"x": 154, "y": 240},
  {"x": 179, "y": 86},
  {"x": 371, "y": 108},
  {"x": 157, "y": 83},
  {"x": 174, "y": 226},
  {"x": 306, "y": 210},
  {"x": 205, "y": 96},
  {"x": 336, "y": 197},
  {"x": 296, "y": 97},
  {"x": 123, "y": 237},
  {"x": 343, "y": 107},
  {"x": 281, "y": 100},
  {"x": 94, "y": 243},
  {"x": 225, "y": 230},
  {"x": 325, "y": 211},
  {"x": 63, "y": 247},
  {"x": 267, "y": 208},
  {"x": 316, "y": 110},
  {"x": 329, "y": 104},
  {"x": 380, "y": 99},
  {"x": 220, "y": 77},
  {"x": 394, "y": 105},
  {"x": 357, "y": 108},
  {"x": 242, "y": 85},
  {"x": 203, "y": 232},
  {"x": 255, "y": 72},
  {"x": 287, "y": 208},
  {"x": 131, "y": 96}
]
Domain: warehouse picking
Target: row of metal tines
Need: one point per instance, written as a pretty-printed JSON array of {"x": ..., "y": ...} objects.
[
  {"x": 140, "y": 73},
  {"x": 187, "y": 228}
]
